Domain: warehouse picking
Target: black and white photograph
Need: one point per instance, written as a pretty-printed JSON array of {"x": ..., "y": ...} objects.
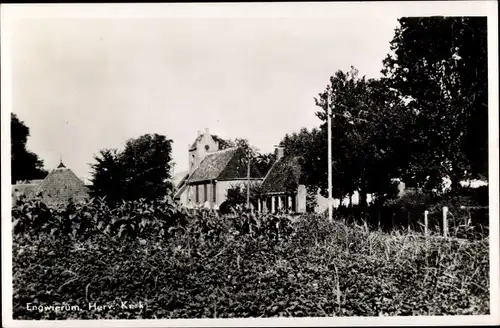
[{"x": 250, "y": 164}]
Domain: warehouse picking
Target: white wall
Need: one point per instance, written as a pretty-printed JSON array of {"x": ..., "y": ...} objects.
[
  {"x": 188, "y": 197},
  {"x": 223, "y": 186}
]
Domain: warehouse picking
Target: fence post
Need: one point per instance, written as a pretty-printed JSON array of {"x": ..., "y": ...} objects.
[
  {"x": 445, "y": 221},
  {"x": 426, "y": 222}
]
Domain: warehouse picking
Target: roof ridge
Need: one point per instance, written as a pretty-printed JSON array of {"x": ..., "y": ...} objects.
[{"x": 223, "y": 150}]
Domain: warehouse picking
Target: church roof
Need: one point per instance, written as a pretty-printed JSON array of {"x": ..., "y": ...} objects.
[
  {"x": 228, "y": 164},
  {"x": 284, "y": 175},
  {"x": 61, "y": 185}
]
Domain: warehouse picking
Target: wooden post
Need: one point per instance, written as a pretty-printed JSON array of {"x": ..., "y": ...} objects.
[
  {"x": 273, "y": 204},
  {"x": 445, "y": 221},
  {"x": 426, "y": 222}
]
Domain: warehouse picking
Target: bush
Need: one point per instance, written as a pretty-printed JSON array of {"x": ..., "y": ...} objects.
[{"x": 200, "y": 264}]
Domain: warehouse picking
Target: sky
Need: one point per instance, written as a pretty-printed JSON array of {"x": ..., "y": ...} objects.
[{"x": 82, "y": 85}]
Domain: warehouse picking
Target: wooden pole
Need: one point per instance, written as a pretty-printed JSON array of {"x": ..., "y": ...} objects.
[
  {"x": 445, "y": 221},
  {"x": 330, "y": 218},
  {"x": 248, "y": 183}
]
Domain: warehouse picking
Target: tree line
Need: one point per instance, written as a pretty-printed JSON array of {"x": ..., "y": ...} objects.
[{"x": 423, "y": 120}]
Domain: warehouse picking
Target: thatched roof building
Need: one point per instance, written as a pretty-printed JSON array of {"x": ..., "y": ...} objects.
[{"x": 60, "y": 186}]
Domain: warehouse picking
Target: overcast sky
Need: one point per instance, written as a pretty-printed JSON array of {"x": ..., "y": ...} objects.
[{"x": 86, "y": 84}]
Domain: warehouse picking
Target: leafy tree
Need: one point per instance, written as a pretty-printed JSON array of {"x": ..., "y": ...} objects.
[
  {"x": 141, "y": 170},
  {"x": 239, "y": 142},
  {"x": 237, "y": 194},
  {"x": 25, "y": 165},
  {"x": 107, "y": 175},
  {"x": 439, "y": 65},
  {"x": 146, "y": 162},
  {"x": 263, "y": 162},
  {"x": 310, "y": 147},
  {"x": 365, "y": 129}
]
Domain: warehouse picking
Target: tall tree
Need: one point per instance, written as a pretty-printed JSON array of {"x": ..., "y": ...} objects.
[
  {"x": 141, "y": 170},
  {"x": 107, "y": 175},
  {"x": 25, "y": 165},
  {"x": 146, "y": 162},
  {"x": 364, "y": 128},
  {"x": 439, "y": 65}
]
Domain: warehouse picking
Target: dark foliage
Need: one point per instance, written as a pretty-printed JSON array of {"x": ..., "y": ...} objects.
[
  {"x": 141, "y": 170},
  {"x": 259, "y": 161},
  {"x": 25, "y": 165},
  {"x": 440, "y": 65},
  {"x": 199, "y": 264}
]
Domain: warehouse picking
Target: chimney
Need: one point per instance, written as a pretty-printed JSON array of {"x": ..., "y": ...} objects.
[
  {"x": 206, "y": 131},
  {"x": 279, "y": 152},
  {"x": 198, "y": 133}
]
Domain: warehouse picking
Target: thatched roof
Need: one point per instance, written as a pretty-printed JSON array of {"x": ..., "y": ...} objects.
[
  {"x": 61, "y": 185},
  {"x": 228, "y": 164},
  {"x": 284, "y": 176}
]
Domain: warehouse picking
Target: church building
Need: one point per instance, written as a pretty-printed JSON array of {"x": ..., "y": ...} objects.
[{"x": 212, "y": 171}]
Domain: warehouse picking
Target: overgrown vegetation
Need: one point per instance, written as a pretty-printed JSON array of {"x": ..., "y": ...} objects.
[{"x": 199, "y": 264}]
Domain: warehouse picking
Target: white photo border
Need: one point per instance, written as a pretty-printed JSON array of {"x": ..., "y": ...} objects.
[{"x": 488, "y": 9}]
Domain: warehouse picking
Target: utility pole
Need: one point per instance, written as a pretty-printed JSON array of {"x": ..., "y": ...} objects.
[
  {"x": 248, "y": 182},
  {"x": 330, "y": 218}
]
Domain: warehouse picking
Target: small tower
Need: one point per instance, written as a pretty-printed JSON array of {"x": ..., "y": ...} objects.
[{"x": 203, "y": 145}]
